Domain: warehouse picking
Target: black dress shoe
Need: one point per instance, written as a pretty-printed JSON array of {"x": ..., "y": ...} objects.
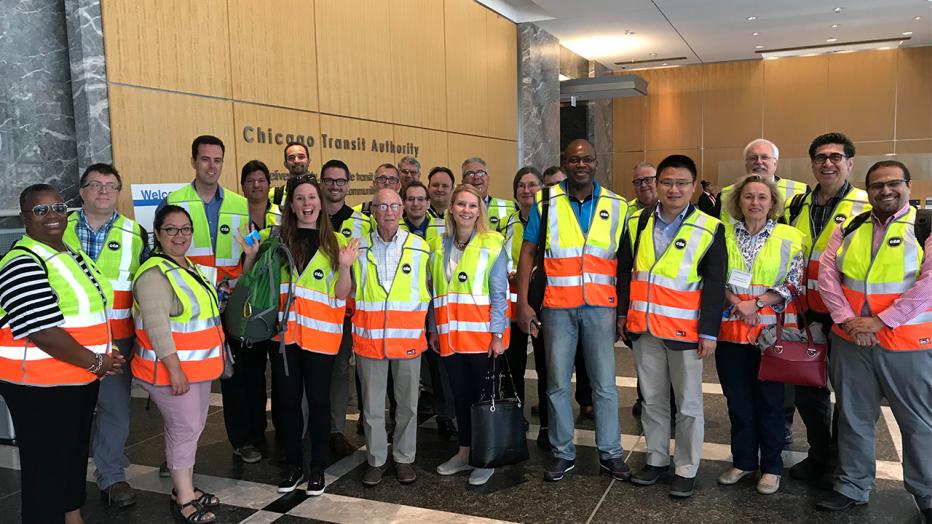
[
  {"x": 649, "y": 475},
  {"x": 339, "y": 446},
  {"x": 617, "y": 467},
  {"x": 927, "y": 515},
  {"x": 587, "y": 411},
  {"x": 118, "y": 495},
  {"x": 558, "y": 468},
  {"x": 682, "y": 487},
  {"x": 290, "y": 482},
  {"x": 838, "y": 502},
  {"x": 446, "y": 428}
]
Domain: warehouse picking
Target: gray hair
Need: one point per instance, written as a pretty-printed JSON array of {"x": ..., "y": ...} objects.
[
  {"x": 411, "y": 161},
  {"x": 475, "y": 159},
  {"x": 639, "y": 165},
  {"x": 773, "y": 147}
]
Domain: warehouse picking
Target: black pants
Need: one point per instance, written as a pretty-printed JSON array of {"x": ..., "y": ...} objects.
[
  {"x": 244, "y": 394},
  {"x": 815, "y": 408},
  {"x": 308, "y": 373},
  {"x": 517, "y": 360},
  {"x": 53, "y": 429},
  {"x": 755, "y": 409},
  {"x": 467, "y": 375}
]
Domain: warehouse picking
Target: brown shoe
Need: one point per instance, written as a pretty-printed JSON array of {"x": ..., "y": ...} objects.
[
  {"x": 339, "y": 446},
  {"x": 405, "y": 473},
  {"x": 373, "y": 476}
]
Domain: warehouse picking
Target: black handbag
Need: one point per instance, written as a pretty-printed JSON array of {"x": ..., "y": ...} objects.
[
  {"x": 498, "y": 437},
  {"x": 535, "y": 293}
]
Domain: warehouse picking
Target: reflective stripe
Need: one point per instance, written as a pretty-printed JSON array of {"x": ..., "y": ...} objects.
[
  {"x": 33, "y": 353},
  {"x": 458, "y": 325},
  {"x": 191, "y": 355},
  {"x": 319, "y": 325},
  {"x": 390, "y": 305},
  {"x": 667, "y": 311},
  {"x": 378, "y": 334}
]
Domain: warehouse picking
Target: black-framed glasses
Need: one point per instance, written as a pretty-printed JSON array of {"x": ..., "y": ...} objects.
[
  {"x": 109, "y": 187},
  {"x": 387, "y": 179},
  {"x": 834, "y": 157},
  {"x": 475, "y": 174},
  {"x": 644, "y": 181},
  {"x": 762, "y": 158},
  {"x": 385, "y": 207},
  {"x": 41, "y": 210},
  {"x": 889, "y": 184},
  {"x": 339, "y": 182},
  {"x": 173, "y": 231},
  {"x": 410, "y": 171}
]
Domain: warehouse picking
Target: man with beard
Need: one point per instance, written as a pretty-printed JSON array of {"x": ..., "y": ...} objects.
[{"x": 297, "y": 162}]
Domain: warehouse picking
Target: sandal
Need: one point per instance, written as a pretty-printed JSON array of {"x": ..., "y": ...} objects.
[
  {"x": 208, "y": 500},
  {"x": 199, "y": 515}
]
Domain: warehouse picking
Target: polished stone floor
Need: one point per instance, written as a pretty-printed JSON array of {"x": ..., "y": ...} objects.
[{"x": 514, "y": 494}]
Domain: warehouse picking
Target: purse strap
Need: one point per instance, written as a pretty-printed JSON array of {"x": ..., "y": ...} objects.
[
  {"x": 800, "y": 315},
  {"x": 495, "y": 379}
]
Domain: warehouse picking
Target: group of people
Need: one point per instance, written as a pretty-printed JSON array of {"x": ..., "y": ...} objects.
[{"x": 445, "y": 269}]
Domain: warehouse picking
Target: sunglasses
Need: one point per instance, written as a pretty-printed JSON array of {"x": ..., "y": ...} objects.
[{"x": 43, "y": 209}]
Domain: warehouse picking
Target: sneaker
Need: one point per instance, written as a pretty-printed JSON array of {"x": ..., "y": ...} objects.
[
  {"x": 682, "y": 487},
  {"x": 339, "y": 446},
  {"x": 405, "y": 473},
  {"x": 315, "y": 484},
  {"x": 557, "y": 469},
  {"x": 454, "y": 466},
  {"x": 807, "y": 469},
  {"x": 163, "y": 470},
  {"x": 617, "y": 467},
  {"x": 649, "y": 475},
  {"x": 248, "y": 453},
  {"x": 290, "y": 482},
  {"x": 768, "y": 484},
  {"x": 732, "y": 476},
  {"x": 838, "y": 502},
  {"x": 118, "y": 495},
  {"x": 480, "y": 476},
  {"x": 373, "y": 476}
]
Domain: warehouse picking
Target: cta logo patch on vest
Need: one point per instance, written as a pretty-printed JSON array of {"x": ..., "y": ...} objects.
[
  {"x": 924, "y": 341},
  {"x": 895, "y": 241},
  {"x": 603, "y": 214},
  {"x": 462, "y": 276},
  {"x": 225, "y": 229},
  {"x": 493, "y": 220},
  {"x": 318, "y": 274},
  {"x": 680, "y": 243},
  {"x": 347, "y": 232},
  {"x": 840, "y": 218},
  {"x": 406, "y": 268},
  {"x": 114, "y": 245},
  {"x": 681, "y": 333}
]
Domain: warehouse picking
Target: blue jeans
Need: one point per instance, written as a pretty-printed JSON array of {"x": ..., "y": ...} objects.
[{"x": 595, "y": 327}]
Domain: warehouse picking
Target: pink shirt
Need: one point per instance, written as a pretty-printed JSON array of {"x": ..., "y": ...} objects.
[{"x": 910, "y": 304}]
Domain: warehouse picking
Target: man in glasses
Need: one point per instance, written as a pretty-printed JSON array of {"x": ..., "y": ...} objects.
[
  {"x": 334, "y": 181},
  {"x": 476, "y": 172},
  {"x": 386, "y": 176},
  {"x": 118, "y": 246},
  {"x": 876, "y": 279},
  {"x": 761, "y": 157},
  {"x": 297, "y": 162},
  {"x": 410, "y": 170},
  {"x": 392, "y": 298},
  {"x": 833, "y": 201},
  {"x": 644, "y": 180}
]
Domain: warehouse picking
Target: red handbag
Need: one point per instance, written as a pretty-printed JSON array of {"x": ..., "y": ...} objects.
[{"x": 794, "y": 362}]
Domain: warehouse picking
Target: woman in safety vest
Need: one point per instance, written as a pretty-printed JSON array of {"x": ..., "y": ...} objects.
[
  {"x": 180, "y": 347},
  {"x": 526, "y": 184},
  {"x": 323, "y": 259},
  {"x": 468, "y": 269},
  {"x": 765, "y": 269}
]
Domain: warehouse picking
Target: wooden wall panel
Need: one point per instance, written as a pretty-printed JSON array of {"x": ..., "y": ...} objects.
[
  {"x": 722, "y": 166},
  {"x": 623, "y": 168},
  {"x": 863, "y": 94},
  {"x": 731, "y": 103},
  {"x": 914, "y": 90},
  {"x": 629, "y": 118},
  {"x": 354, "y": 64},
  {"x": 418, "y": 74},
  {"x": 674, "y": 108},
  {"x": 502, "y": 77},
  {"x": 180, "y": 45},
  {"x": 432, "y": 147},
  {"x": 656, "y": 156},
  {"x": 466, "y": 67},
  {"x": 917, "y": 155},
  {"x": 796, "y": 99},
  {"x": 262, "y": 132},
  {"x": 145, "y": 153},
  {"x": 501, "y": 156},
  {"x": 273, "y": 53},
  {"x": 361, "y": 161}
]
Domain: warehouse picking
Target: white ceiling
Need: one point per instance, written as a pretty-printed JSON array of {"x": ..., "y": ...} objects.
[{"x": 714, "y": 30}]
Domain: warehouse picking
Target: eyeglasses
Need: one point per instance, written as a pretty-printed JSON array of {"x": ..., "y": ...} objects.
[
  {"x": 580, "y": 160},
  {"x": 387, "y": 180},
  {"x": 761, "y": 158},
  {"x": 386, "y": 207},
  {"x": 680, "y": 184},
  {"x": 413, "y": 199},
  {"x": 531, "y": 185},
  {"x": 889, "y": 184},
  {"x": 102, "y": 188},
  {"x": 834, "y": 157},
  {"x": 475, "y": 174},
  {"x": 339, "y": 182},
  {"x": 410, "y": 171},
  {"x": 41, "y": 210},
  {"x": 644, "y": 181},
  {"x": 173, "y": 231}
]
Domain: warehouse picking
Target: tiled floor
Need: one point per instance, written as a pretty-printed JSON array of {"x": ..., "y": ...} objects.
[{"x": 514, "y": 494}]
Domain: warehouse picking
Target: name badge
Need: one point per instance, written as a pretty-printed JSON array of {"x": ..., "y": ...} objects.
[{"x": 740, "y": 279}]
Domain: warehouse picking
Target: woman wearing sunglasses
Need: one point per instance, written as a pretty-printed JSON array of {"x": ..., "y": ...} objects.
[{"x": 54, "y": 346}]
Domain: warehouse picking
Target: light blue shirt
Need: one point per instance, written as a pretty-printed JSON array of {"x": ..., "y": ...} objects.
[{"x": 665, "y": 233}]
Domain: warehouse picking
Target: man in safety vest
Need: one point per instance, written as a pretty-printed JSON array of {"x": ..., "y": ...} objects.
[
  {"x": 476, "y": 172},
  {"x": 416, "y": 219},
  {"x": 118, "y": 246},
  {"x": 392, "y": 298},
  {"x": 833, "y": 201},
  {"x": 760, "y": 158},
  {"x": 672, "y": 274},
  {"x": 876, "y": 279},
  {"x": 255, "y": 180},
  {"x": 584, "y": 227}
]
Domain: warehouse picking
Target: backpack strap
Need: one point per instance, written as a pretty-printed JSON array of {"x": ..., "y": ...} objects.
[
  {"x": 642, "y": 223},
  {"x": 796, "y": 205},
  {"x": 923, "y": 226},
  {"x": 278, "y": 195},
  {"x": 855, "y": 223}
]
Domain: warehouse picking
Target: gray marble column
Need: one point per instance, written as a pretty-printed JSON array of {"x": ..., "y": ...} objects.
[
  {"x": 600, "y": 129},
  {"x": 539, "y": 97},
  {"x": 88, "y": 81}
]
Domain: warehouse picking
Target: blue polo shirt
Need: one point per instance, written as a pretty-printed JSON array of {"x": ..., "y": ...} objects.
[
  {"x": 211, "y": 209},
  {"x": 583, "y": 210}
]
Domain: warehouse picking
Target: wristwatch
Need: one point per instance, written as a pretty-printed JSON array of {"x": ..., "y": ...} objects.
[
  {"x": 759, "y": 303},
  {"x": 497, "y": 335}
]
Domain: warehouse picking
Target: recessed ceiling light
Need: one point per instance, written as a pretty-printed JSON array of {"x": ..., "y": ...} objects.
[
  {"x": 755, "y": 33},
  {"x": 752, "y": 18},
  {"x": 906, "y": 33},
  {"x": 758, "y": 47},
  {"x": 833, "y": 39},
  {"x": 835, "y": 26},
  {"x": 838, "y": 9},
  {"x": 917, "y": 18},
  {"x": 629, "y": 32},
  {"x": 652, "y": 54}
]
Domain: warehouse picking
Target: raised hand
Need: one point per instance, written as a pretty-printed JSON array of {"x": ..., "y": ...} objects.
[{"x": 349, "y": 253}]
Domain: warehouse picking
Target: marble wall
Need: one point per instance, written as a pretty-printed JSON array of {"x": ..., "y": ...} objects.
[
  {"x": 600, "y": 129},
  {"x": 539, "y": 97}
]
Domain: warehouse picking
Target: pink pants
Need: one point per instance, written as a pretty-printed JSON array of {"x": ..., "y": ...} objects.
[{"x": 185, "y": 417}]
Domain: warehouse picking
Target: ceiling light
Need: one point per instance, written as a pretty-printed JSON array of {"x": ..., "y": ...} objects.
[
  {"x": 604, "y": 46},
  {"x": 755, "y": 33},
  {"x": 771, "y": 57},
  {"x": 830, "y": 40},
  {"x": 860, "y": 45},
  {"x": 835, "y": 26},
  {"x": 838, "y": 9},
  {"x": 758, "y": 47},
  {"x": 906, "y": 33},
  {"x": 917, "y": 18},
  {"x": 752, "y": 18},
  {"x": 655, "y": 54}
]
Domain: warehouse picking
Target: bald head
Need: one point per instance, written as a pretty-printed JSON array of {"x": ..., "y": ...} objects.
[{"x": 386, "y": 219}]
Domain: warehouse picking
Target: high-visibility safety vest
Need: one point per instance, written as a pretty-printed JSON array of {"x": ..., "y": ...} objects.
[
  {"x": 666, "y": 292},
  {"x": 118, "y": 261},
  {"x": 390, "y": 323},
  {"x": 83, "y": 307},
  {"x": 435, "y": 228},
  {"x": 365, "y": 209},
  {"x": 877, "y": 281},
  {"x": 357, "y": 226},
  {"x": 316, "y": 319},
  {"x": 770, "y": 267},
  {"x": 786, "y": 187},
  {"x": 462, "y": 305},
  {"x": 498, "y": 210},
  {"x": 234, "y": 216},
  {"x": 853, "y": 203},
  {"x": 514, "y": 237},
  {"x": 196, "y": 331},
  {"x": 581, "y": 269}
]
